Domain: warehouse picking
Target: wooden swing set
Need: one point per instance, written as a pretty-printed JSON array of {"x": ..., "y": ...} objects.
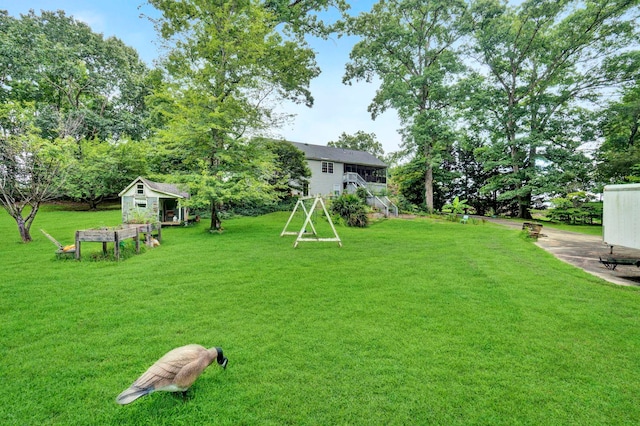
[{"x": 303, "y": 235}]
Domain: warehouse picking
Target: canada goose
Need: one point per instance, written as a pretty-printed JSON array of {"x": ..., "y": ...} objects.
[{"x": 176, "y": 371}]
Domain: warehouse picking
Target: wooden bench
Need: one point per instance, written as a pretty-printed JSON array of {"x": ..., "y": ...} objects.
[
  {"x": 613, "y": 262},
  {"x": 534, "y": 229}
]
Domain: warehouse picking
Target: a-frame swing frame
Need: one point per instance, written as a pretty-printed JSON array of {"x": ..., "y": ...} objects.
[{"x": 309, "y": 222}]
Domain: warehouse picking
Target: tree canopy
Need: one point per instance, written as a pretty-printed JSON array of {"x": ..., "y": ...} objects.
[
  {"x": 82, "y": 85},
  {"x": 360, "y": 141},
  {"x": 619, "y": 155}
]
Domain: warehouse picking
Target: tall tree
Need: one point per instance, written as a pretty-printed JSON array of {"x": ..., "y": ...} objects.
[
  {"x": 410, "y": 45},
  {"x": 408, "y": 180},
  {"x": 543, "y": 60},
  {"x": 227, "y": 61},
  {"x": 359, "y": 141}
]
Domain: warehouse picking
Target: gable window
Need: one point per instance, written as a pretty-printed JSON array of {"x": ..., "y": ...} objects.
[
  {"x": 140, "y": 189},
  {"x": 327, "y": 167}
]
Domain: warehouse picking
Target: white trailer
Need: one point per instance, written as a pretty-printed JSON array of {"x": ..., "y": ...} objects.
[{"x": 621, "y": 215}]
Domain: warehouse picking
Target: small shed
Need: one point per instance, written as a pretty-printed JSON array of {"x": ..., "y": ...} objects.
[{"x": 147, "y": 201}]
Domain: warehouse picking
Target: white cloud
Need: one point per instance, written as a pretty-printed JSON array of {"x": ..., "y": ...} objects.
[{"x": 95, "y": 20}]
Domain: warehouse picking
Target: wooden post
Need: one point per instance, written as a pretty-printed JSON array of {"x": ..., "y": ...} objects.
[
  {"x": 147, "y": 235},
  {"x": 77, "y": 245},
  {"x": 116, "y": 248},
  {"x": 138, "y": 240}
]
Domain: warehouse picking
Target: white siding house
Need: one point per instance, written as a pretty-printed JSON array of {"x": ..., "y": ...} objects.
[
  {"x": 335, "y": 170},
  {"x": 338, "y": 170},
  {"x": 154, "y": 201}
]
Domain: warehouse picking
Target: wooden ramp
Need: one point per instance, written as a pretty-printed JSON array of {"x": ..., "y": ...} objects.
[{"x": 61, "y": 249}]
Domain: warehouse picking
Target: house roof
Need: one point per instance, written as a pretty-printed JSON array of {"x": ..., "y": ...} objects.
[
  {"x": 164, "y": 188},
  {"x": 340, "y": 155}
]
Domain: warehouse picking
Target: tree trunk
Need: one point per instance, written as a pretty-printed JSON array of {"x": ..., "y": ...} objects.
[
  {"x": 428, "y": 189},
  {"x": 524, "y": 202},
  {"x": 23, "y": 228},
  {"x": 216, "y": 224}
]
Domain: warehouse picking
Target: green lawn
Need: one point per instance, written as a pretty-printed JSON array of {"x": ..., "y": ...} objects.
[
  {"x": 410, "y": 322},
  {"x": 582, "y": 229}
]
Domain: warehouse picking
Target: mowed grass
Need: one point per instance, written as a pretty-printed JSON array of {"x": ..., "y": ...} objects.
[{"x": 410, "y": 322}]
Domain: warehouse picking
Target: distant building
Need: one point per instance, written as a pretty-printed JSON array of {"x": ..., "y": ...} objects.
[
  {"x": 338, "y": 170},
  {"x": 334, "y": 170}
]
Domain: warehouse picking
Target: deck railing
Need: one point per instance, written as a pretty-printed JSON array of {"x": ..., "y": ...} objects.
[{"x": 381, "y": 203}]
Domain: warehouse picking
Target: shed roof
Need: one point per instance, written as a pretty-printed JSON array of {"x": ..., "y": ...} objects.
[
  {"x": 164, "y": 188},
  {"x": 341, "y": 155}
]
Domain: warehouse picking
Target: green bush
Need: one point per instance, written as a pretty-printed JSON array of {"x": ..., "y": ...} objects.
[
  {"x": 362, "y": 193},
  {"x": 139, "y": 215},
  {"x": 351, "y": 209},
  {"x": 575, "y": 208}
]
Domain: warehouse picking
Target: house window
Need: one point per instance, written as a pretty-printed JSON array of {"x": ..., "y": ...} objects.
[
  {"x": 327, "y": 167},
  {"x": 141, "y": 204},
  {"x": 140, "y": 189}
]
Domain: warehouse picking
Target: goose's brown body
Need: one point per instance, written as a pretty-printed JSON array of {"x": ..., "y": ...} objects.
[{"x": 176, "y": 371}]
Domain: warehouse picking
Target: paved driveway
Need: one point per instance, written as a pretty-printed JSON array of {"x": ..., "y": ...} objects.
[{"x": 584, "y": 251}]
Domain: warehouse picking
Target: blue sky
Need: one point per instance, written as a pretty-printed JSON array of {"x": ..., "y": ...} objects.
[{"x": 338, "y": 108}]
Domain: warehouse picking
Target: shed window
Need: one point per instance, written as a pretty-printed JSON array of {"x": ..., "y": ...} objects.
[
  {"x": 327, "y": 167},
  {"x": 141, "y": 204},
  {"x": 140, "y": 189}
]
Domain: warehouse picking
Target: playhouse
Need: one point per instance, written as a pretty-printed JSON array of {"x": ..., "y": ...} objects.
[{"x": 147, "y": 201}]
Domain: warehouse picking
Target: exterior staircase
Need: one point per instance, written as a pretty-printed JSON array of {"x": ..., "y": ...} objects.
[{"x": 381, "y": 203}]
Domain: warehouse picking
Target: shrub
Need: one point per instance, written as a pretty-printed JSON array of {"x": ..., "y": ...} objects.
[
  {"x": 139, "y": 215},
  {"x": 457, "y": 206},
  {"x": 362, "y": 193},
  {"x": 576, "y": 207},
  {"x": 351, "y": 209}
]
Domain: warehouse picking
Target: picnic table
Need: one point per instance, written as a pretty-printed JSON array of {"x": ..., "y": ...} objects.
[{"x": 613, "y": 262}]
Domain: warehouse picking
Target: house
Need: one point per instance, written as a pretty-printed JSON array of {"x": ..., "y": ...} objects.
[
  {"x": 338, "y": 170},
  {"x": 334, "y": 170},
  {"x": 144, "y": 200}
]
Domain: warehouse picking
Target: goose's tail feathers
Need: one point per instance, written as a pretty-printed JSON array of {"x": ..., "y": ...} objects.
[{"x": 131, "y": 394}]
